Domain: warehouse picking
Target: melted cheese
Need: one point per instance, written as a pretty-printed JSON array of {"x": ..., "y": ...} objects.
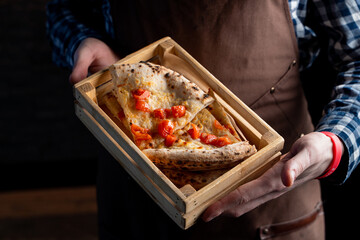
[{"x": 167, "y": 89}]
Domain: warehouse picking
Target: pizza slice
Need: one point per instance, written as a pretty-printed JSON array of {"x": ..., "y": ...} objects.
[{"x": 175, "y": 123}]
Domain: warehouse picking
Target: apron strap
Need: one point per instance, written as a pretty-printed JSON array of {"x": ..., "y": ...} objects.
[{"x": 274, "y": 230}]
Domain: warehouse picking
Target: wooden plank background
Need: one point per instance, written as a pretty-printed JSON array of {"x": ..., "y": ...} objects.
[{"x": 56, "y": 213}]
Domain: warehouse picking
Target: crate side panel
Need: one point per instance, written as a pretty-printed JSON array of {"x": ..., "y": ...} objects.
[{"x": 152, "y": 189}]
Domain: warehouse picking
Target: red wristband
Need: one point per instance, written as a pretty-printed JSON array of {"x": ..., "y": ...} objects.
[{"x": 337, "y": 153}]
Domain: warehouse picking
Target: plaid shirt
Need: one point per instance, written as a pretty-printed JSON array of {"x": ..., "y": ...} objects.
[{"x": 340, "y": 19}]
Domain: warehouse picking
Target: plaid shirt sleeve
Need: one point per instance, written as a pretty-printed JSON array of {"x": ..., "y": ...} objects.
[
  {"x": 341, "y": 19},
  {"x": 71, "y": 21}
]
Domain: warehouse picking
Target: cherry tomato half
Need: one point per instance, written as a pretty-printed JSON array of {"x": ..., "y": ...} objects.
[
  {"x": 166, "y": 127},
  {"x": 207, "y": 138},
  {"x": 222, "y": 141},
  {"x": 136, "y": 128},
  {"x": 194, "y": 131},
  {"x": 169, "y": 140},
  {"x": 159, "y": 113},
  {"x": 178, "y": 111},
  {"x": 142, "y": 106},
  {"x": 140, "y": 133},
  {"x": 141, "y": 94}
]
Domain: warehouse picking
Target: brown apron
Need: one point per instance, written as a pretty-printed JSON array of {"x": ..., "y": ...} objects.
[{"x": 250, "y": 46}]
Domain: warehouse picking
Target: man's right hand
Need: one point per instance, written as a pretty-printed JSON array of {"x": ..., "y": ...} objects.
[{"x": 91, "y": 56}]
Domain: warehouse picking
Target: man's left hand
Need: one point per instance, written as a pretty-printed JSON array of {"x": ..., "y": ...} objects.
[{"x": 308, "y": 158}]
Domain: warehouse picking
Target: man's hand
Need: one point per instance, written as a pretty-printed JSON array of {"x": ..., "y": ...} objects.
[
  {"x": 308, "y": 158},
  {"x": 91, "y": 56}
]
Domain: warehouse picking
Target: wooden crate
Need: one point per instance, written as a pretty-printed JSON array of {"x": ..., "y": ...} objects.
[{"x": 184, "y": 205}]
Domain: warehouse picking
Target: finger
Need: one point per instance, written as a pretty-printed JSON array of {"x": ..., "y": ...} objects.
[
  {"x": 288, "y": 177},
  {"x": 294, "y": 167},
  {"x": 241, "y": 196},
  {"x": 213, "y": 211},
  {"x": 81, "y": 68},
  {"x": 103, "y": 62}
]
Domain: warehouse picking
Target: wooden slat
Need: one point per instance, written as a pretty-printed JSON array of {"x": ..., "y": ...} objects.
[{"x": 47, "y": 202}]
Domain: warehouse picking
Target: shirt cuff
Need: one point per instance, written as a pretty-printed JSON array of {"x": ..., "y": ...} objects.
[{"x": 346, "y": 128}]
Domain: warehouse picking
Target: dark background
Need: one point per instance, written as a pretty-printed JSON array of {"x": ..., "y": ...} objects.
[{"x": 44, "y": 145}]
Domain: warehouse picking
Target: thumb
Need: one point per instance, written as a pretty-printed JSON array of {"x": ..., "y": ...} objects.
[
  {"x": 81, "y": 67},
  {"x": 293, "y": 167}
]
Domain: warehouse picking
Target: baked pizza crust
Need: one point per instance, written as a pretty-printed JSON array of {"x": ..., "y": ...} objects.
[{"x": 200, "y": 159}]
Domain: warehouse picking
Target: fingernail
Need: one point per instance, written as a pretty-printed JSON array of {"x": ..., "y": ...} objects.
[
  {"x": 211, "y": 217},
  {"x": 292, "y": 177}
]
